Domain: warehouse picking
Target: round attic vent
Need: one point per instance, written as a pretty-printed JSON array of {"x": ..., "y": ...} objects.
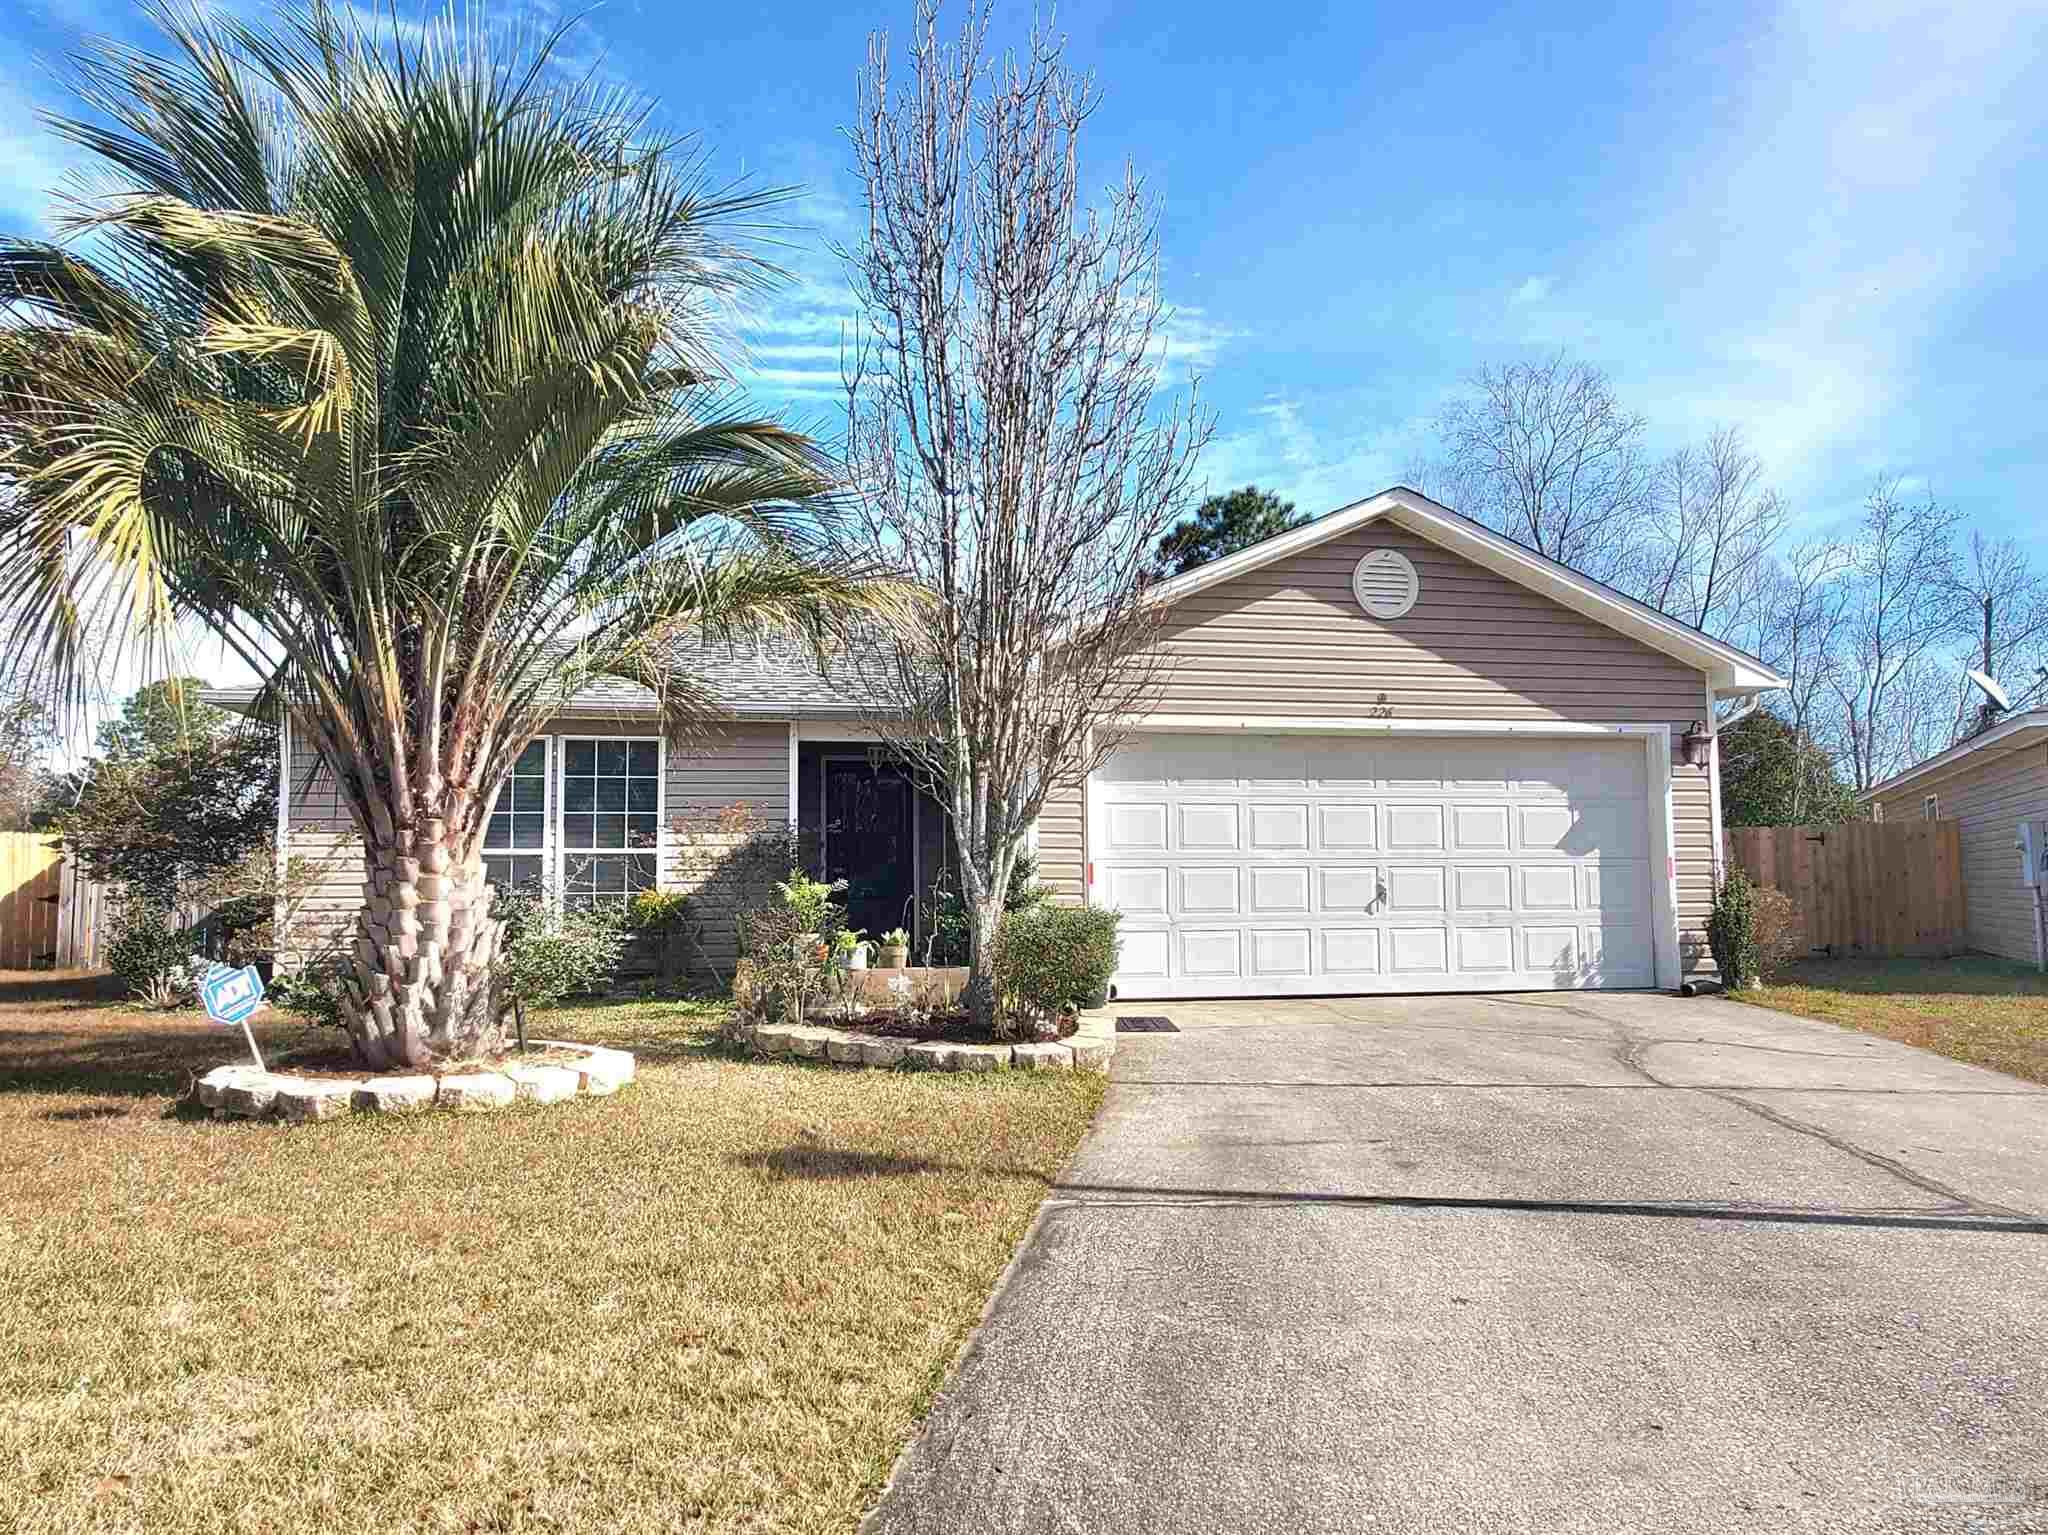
[{"x": 1385, "y": 583}]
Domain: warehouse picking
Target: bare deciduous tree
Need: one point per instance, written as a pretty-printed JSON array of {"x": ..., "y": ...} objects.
[
  {"x": 1802, "y": 614},
  {"x": 1006, "y": 438},
  {"x": 1901, "y": 568},
  {"x": 1545, "y": 454},
  {"x": 1708, "y": 535},
  {"x": 2001, "y": 605}
]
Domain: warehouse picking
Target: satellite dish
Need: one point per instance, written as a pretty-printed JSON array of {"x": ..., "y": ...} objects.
[{"x": 1990, "y": 689}]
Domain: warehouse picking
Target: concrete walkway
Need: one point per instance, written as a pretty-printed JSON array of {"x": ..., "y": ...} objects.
[{"x": 1602, "y": 1263}]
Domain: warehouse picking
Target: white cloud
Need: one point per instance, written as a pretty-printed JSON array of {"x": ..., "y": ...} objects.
[
  {"x": 1533, "y": 290},
  {"x": 1279, "y": 449}
]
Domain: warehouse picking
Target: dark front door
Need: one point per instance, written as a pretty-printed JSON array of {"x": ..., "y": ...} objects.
[{"x": 867, "y": 841}]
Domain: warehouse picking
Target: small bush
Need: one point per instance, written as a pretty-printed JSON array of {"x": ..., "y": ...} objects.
[
  {"x": 1778, "y": 932},
  {"x": 1050, "y": 959},
  {"x": 552, "y": 954},
  {"x": 809, "y": 901},
  {"x": 314, "y": 993},
  {"x": 1731, "y": 931},
  {"x": 787, "y": 966},
  {"x": 153, "y": 957}
]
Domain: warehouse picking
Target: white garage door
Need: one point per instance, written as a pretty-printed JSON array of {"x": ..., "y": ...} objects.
[{"x": 1264, "y": 866}]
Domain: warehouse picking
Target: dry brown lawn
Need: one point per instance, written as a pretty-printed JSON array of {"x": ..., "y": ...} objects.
[
  {"x": 719, "y": 1301},
  {"x": 1988, "y": 1012}
]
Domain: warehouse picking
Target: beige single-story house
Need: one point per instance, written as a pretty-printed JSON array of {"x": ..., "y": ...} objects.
[
  {"x": 1393, "y": 752},
  {"x": 1992, "y": 785}
]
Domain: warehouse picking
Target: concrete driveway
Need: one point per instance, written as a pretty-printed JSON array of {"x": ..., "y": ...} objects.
[{"x": 1605, "y": 1262}]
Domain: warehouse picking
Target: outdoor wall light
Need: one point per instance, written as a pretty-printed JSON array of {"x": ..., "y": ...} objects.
[{"x": 1696, "y": 744}]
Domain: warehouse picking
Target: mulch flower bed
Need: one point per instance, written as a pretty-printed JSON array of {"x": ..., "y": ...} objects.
[{"x": 952, "y": 1027}]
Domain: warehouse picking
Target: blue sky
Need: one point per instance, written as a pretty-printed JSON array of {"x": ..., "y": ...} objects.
[{"x": 1822, "y": 223}]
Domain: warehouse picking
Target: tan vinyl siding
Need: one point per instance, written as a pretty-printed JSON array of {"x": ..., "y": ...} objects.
[
  {"x": 1989, "y": 801},
  {"x": 737, "y": 765},
  {"x": 1290, "y": 639},
  {"x": 717, "y": 787}
]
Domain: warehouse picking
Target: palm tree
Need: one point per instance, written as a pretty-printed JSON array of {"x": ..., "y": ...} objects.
[{"x": 393, "y": 364}]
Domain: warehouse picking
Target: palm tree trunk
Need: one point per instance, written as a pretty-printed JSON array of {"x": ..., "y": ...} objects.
[{"x": 420, "y": 990}]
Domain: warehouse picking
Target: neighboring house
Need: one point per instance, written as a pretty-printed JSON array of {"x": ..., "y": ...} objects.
[
  {"x": 1989, "y": 785},
  {"x": 1395, "y": 752}
]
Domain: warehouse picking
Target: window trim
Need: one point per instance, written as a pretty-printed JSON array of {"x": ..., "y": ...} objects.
[
  {"x": 546, "y": 851},
  {"x": 558, "y": 838}
]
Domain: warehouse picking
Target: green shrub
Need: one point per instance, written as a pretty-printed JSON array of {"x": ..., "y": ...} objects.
[
  {"x": 808, "y": 900},
  {"x": 314, "y": 993},
  {"x": 1731, "y": 931},
  {"x": 154, "y": 958},
  {"x": 1050, "y": 959},
  {"x": 552, "y": 954},
  {"x": 946, "y": 908}
]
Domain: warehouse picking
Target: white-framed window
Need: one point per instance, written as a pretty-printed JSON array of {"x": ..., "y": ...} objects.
[
  {"x": 1930, "y": 808},
  {"x": 610, "y": 797},
  {"x": 516, "y": 836}
]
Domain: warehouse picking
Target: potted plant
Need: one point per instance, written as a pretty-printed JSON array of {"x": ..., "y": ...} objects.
[
  {"x": 850, "y": 948},
  {"x": 809, "y": 902},
  {"x": 895, "y": 949}
]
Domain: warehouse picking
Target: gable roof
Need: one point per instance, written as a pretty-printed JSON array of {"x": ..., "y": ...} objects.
[
  {"x": 1730, "y": 671},
  {"x": 2016, "y": 733}
]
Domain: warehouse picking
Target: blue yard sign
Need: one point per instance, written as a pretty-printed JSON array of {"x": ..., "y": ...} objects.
[{"x": 230, "y": 996}]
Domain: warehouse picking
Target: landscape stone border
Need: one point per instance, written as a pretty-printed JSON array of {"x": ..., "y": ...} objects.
[
  {"x": 1088, "y": 1048},
  {"x": 244, "y": 1092}
]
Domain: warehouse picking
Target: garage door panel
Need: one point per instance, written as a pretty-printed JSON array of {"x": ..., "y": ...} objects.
[
  {"x": 1206, "y": 828},
  {"x": 1415, "y": 828},
  {"x": 1279, "y": 888},
  {"x": 1479, "y": 828},
  {"x": 1351, "y": 951},
  {"x": 1485, "y": 948},
  {"x": 1482, "y": 887},
  {"x": 1553, "y": 949},
  {"x": 1216, "y": 952},
  {"x": 1292, "y": 866},
  {"x": 1419, "y": 950},
  {"x": 1347, "y": 887},
  {"x": 1550, "y": 886},
  {"x": 1279, "y": 828},
  {"x": 1135, "y": 890},
  {"x": 1143, "y": 952},
  {"x": 1280, "y": 951},
  {"x": 1135, "y": 827},
  {"x": 1415, "y": 887},
  {"x": 1206, "y": 890},
  {"x": 1347, "y": 827}
]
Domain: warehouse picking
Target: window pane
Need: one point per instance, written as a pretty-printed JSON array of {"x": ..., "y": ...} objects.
[
  {"x": 533, "y": 762},
  {"x": 646, "y": 759},
  {"x": 582, "y": 757},
  {"x": 611, "y": 794},
  {"x": 643, "y": 829},
  {"x": 510, "y": 873},
  {"x": 577, "y": 874},
  {"x": 578, "y": 794},
  {"x": 576, "y": 831},
  {"x": 611, "y": 831},
  {"x": 528, "y": 830},
  {"x": 498, "y": 831},
  {"x": 641, "y": 794},
  {"x": 610, "y": 876},
  {"x": 640, "y": 872},
  {"x": 611, "y": 758}
]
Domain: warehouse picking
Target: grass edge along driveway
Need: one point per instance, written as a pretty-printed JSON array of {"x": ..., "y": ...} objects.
[
  {"x": 720, "y": 1301},
  {"x": 1973, "y": 1008}
]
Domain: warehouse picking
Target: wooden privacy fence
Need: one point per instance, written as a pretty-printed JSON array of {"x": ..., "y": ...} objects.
[
  {"x": 49, "y": 917},
  {"x": 1886, "y": 888}
]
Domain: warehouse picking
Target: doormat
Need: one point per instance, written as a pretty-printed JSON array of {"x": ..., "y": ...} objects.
[{"x": 1145, "y": 1023}]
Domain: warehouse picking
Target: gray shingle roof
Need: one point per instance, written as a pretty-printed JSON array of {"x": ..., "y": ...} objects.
[{"x": 776, "y": 676}]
